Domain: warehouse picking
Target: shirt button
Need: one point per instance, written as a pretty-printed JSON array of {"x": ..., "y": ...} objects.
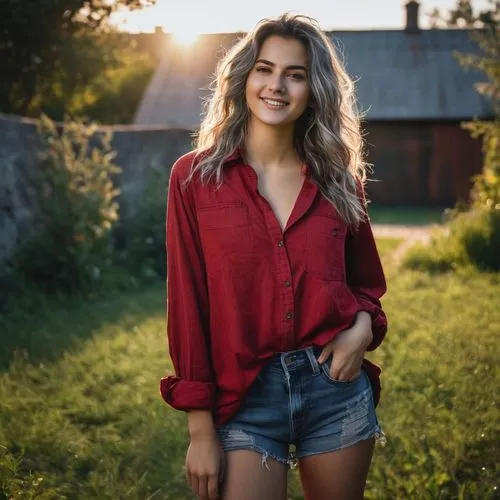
[
  {"x": 280, "y": 243},
  {"x": 287, "y": 283},
  {"x": 289, "y": 315}
]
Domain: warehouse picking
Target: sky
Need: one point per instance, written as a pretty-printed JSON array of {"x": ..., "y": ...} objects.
[{"x": 192, "y": 17}]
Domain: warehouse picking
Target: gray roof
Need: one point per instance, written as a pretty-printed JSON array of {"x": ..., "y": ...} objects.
[{"x": 399, "y": 76}]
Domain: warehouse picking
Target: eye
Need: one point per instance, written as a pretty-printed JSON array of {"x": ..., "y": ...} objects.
[
  {"x": 297, "y": 76},
  {"x": 263, "y": 69}
]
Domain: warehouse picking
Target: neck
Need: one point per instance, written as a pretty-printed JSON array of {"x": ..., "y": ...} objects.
[{"x": 268, "y": 147}]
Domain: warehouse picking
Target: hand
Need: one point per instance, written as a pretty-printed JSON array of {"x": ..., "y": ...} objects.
[
  {"x": 349, "y": 347},
  {"x": 205, "y": 465}
]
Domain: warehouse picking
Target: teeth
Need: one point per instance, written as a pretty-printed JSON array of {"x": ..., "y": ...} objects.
[{"x": 275, "y": 103}]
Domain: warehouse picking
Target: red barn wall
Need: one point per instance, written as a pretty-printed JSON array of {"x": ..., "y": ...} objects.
[{"x": 421, "y": 164}]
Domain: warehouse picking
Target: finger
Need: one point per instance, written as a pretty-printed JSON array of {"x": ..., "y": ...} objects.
[
  {"x": 325, "y": 354},
  {"x": 203, "y": 486},
  {"x": 189, "y": 479},
  {"x": 338, "y": 372},
  {"x": 213, "y": 487},
  {"x": 194, "y": 483}
]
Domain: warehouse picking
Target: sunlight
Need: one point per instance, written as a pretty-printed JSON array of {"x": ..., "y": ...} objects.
[{"x": 185, "y": 37}]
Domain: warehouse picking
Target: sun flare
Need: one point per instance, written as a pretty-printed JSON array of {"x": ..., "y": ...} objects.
[{"x": 185, "y": 37}]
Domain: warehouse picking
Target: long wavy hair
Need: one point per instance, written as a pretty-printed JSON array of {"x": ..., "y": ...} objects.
[{"x": 327, "y": 136}]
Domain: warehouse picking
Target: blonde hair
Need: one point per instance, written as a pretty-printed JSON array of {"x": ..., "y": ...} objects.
[{"x": 327, "y": 135}]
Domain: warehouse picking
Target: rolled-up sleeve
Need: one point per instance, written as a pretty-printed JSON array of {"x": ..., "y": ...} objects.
[
  {"x": 192, "y": 386},
  {"x": 365, "y": 276}
]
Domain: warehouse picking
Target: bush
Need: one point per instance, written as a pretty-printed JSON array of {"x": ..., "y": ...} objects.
[
  {"x": 143, "y": 230},
  {"x": 471, "y": 238},
  {"x": 478, "y": 233},
  {"x": 70, "y": 246}
]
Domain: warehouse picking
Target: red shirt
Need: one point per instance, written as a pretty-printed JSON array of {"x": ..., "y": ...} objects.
[{"x": 240, "y": 290}]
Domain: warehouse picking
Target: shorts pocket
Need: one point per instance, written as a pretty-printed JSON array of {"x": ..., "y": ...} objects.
[{"x": 325, "y": 372}]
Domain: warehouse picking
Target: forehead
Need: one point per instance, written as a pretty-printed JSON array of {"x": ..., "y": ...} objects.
[{"x": 283, "y": 51}]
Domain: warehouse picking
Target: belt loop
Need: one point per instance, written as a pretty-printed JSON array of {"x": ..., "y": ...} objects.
[
  {"x": 312, "y": 360},
  {"x": 283, "y": 364}
]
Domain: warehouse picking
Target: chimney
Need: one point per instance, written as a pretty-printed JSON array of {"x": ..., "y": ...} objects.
[{"x": 412, "y": 17}]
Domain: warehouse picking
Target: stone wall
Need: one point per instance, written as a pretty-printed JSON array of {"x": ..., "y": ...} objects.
[{"x": 139, "y": 149}]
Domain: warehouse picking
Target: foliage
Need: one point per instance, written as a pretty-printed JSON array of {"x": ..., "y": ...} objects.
[
  {"x": 471, "y": 238},
  {"x": 35, "y": 36},
  {"x": 486, "y": 188},
  {"x": 143, "y": 230},
  {"x": 85, "y": 380},
  {"x": 113, "y": 95},
  {"x": 76, "y": 208},
  {"x": 465, "y": 15},
  {"x": 100, "y": 76}
]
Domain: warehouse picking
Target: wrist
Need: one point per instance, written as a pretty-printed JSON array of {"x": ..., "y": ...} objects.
[
  {"x": 200, "y": 424},
  {"x": 364, "y": 324}
]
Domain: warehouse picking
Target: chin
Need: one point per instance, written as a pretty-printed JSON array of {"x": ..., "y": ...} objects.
[{"x": 274, "y": 120}]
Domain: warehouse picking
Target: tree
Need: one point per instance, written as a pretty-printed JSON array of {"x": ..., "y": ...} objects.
[
  {"x": 99, "y": 76},
  {"x": 486, "y": 188},
  {"x": 464, "y": 15},
  {"x": 34, "y": 35}
]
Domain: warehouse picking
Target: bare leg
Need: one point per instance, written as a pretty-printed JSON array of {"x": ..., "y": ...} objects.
[
  {"x": 246, "y": 477},
  {"x": 339, "y": 475}
]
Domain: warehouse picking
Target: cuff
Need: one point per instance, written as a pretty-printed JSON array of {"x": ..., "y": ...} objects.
[
  {"x": 187, "y": 394},
  {"x": 379, "y": 321}
]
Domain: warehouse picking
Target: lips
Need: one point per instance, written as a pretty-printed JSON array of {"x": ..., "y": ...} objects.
[{"x": 274, "y": 103}]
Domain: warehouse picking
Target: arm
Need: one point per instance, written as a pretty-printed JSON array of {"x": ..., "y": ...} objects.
[
  {"x": 365, "y": 276},
  {"x": 193, "y": 386}
]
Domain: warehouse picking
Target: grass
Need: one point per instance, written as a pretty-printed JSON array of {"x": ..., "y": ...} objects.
[
  {"x": 386, "y": 246},
  {"x": 81, "y": 415},
  {"x": 408, "y": 216}
]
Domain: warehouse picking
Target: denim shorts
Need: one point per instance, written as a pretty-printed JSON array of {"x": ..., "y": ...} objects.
[{"x": 294, "y": 401}]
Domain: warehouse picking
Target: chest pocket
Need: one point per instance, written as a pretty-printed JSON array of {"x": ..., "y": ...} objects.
[
  {"x": 325, "y": 253},
  {"x": 226, "y": 237}
]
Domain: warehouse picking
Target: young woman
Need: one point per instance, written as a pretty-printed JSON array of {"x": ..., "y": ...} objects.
[{"x": 274, "y": 278}]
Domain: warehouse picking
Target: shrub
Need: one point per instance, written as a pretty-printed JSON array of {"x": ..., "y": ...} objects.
[
  {"x": 478, "y": 234},
  {"x": 70, "y": 245},
  {"x": 143, "y": 230},
  {"x": 471, "y": 238}
]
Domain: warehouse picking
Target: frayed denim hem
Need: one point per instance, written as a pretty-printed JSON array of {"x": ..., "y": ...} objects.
[
  {"x": 377, "y": 433},
  {"x": 237, "y": 439}
]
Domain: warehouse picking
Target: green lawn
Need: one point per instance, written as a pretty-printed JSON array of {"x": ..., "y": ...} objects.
[
  {"x": 81, "y": 415},
  {"x": 404, "y": 215}
]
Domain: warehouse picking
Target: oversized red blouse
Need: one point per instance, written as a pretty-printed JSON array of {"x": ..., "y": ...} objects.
[{"x": 240, "y": 290}]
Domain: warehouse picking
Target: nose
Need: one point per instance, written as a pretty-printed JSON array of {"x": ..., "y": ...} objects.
[{"x": 276, "y": 84}]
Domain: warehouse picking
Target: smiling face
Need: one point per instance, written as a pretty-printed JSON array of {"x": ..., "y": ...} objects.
[{"x": 277, "y": 88}]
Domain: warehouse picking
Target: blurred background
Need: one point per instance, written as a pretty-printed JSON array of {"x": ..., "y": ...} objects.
[{"x": 98, "y": 98}]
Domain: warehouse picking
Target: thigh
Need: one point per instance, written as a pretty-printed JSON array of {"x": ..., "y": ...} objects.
[
  {"x": 249, "y": 475},
  {"x": 339, "y": 475}
]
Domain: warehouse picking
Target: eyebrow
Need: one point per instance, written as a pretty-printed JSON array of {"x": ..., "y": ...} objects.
[{"x": 293, "y": 66}]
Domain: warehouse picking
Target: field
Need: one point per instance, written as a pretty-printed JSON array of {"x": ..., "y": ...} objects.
[{"x": 81, "y": 415}]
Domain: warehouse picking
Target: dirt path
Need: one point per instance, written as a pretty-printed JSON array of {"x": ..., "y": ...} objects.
[{"x": 410, "y": 235}]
